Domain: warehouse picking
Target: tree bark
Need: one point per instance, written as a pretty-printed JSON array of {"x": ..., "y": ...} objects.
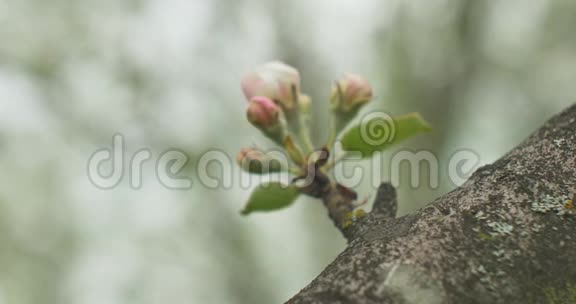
[{"x": 506, "y": 236}]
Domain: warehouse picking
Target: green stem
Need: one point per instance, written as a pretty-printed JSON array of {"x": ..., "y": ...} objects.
[
  {"x": 333, "y": 134},
  {"x": 335, "y": 119},
  {"x": 305, "y": 134},
  {"x": 301, "y": 124},
  {"x": 332, "y": 163},
  {"x": 295, "y": 170}
]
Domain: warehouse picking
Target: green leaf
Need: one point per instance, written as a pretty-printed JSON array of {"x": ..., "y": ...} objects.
[
  {"x": 380, "y": 132},
  {"x": 269, "y": 197}
]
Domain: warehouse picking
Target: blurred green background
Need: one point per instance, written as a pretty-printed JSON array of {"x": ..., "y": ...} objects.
[{"x": 165, "y": 74}]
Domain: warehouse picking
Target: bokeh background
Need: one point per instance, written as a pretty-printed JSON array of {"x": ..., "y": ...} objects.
[{"x": 165, "y": 74}]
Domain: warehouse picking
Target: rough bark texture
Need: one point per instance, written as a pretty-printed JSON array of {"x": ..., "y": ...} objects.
[{"x": 506, "y": 236}]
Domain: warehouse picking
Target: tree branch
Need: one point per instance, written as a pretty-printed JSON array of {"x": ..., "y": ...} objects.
[{"x": 506, "y": 236}]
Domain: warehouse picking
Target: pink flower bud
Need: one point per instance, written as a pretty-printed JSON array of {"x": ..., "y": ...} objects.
[
  {"x": 355, "y": 91},
  {"x": 257, "y": 161},
  {"x": 273, "y": 80},
  {"x": 263, "y": 112}
]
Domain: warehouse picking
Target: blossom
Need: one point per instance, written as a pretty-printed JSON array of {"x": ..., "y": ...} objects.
[
  {"x": 274, "y": 80},
  {"x": 350, "y": 93},
  {"x": 263, "y": 112},
  {"x": 256, "y": 161}
]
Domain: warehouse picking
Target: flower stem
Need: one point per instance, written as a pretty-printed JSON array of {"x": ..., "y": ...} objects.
[
  {"x": 305, "y": 135},
  {"x": 331, "y": 164},
  {"x": 333, "y": 135},
  {"x": 295, "y": 170},
  {"x": 302, "y": 124}
]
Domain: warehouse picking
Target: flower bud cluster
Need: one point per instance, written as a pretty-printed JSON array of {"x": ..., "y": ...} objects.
[{"x": 277, "y": 107}]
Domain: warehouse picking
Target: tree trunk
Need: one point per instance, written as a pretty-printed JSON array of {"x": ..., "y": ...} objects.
[{"x": 506, "y": 236}]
